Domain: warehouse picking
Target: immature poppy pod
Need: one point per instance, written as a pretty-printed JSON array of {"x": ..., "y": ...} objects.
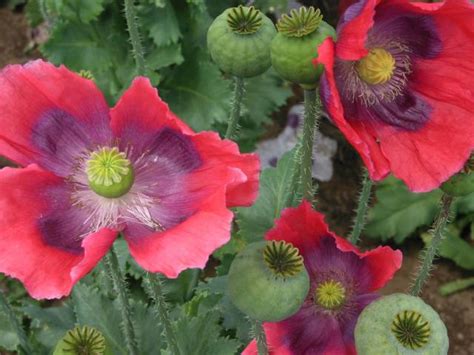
[
  {"x": 400, "y": 324},
  {"x": 399, "y": 84},
  {"x": 89, "y": 173},
  {"x": 299, "y": 32},
  {"x": 82, "y": 341},
  {"x": 268, "y": 281},
  {"x": 239, "y": 41}
]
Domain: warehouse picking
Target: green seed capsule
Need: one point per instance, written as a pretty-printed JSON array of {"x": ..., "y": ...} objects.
[
  {"x": 400, "y": 324},
  {"x": 82, "y": 341},
  {"x": 268, "y": 281},
  {"x": 295, "y": 46},
  {"x": 239, "y": 41}
]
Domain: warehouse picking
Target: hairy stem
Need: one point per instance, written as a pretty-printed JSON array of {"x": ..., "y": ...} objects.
[
  {"x": 13, "y": 320},
  {"x": 236, "y": 105},
  {"x": 113, "y": 269},
  {"x": 311, "y": 120},
  {"x": 132, "y": 25},
  {"x": 431, "y": 250},
  {"x": 362, "y": 206},
  {"x": 155, "y": 292},
  {"x": 260, "y": 338}
]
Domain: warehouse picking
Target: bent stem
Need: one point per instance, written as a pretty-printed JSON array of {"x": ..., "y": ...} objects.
[
  {"x": 13, "y": 320},
  {"x": 236, "y": 105},
  {"x": 311, "y": 120},
  {"x": 260, "y": 338},
  {"x": 431, "y": 250},
  {"x": 113, "y": 269},
  {"x": 132, "y": 25},
  {"x": 155, "y": 292},
  {"x": 362, "y": 206}
]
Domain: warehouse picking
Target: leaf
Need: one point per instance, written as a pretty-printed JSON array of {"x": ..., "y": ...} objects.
[
  {"x": 148, "y": 328},
  {"x": 164, "y": 56},
  {"x": 79, "y": 10},
  {"x": 8, "y": 339},
  {"x": 398, "y": 212},
  {"x": 161, "y": 23},
  {"x": 274, "y": 192},
  {"x": 456, "y": 286},
  {"x": 464, "y": 204},
  {"x": 197, "y": 93},
  {"x": 264, "y": 95},
  {"x": 50, "y": 324}
]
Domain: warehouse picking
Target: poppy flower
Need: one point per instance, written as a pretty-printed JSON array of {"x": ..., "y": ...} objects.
[
  {"x": 343, "y": 281},
  {"x": 399, "y": 84},
  {"x": 89, "y": 173}
]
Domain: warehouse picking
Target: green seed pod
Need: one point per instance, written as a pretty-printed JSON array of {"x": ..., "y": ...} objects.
[
  {"x": 82, "y": 341},
  {"x": 296, "y": 45},
  {"x": 400, "y": 324},
  {"x": 268, "y": 281},
  {"x": 239, "y": 41},
  {"x": 461, "y": 184}
]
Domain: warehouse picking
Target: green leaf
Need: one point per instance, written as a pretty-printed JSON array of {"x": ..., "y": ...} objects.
[
  {"x": 148, "y": 329},
  {"x": 160, "y": 57},
  {"x": 274, "y": 192},
  {"x": 197, "y": 93},
  {"x": 79, "y": 10},
  {"x": 161, "y": 23},
  {"x": 456, "y": 286},
  {"x": 50, "y": 324},
  {"x": 33, "y": 13},
  {"x": 399, "y": 212},
  {"x": 464, "y": 204},
  {"x": 8, "y": 339}
]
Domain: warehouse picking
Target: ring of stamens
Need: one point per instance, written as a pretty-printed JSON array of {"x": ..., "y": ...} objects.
[
  {"x": 330, "y": 294},
  {"x": 109, "y": 172},
  {"x": 411, "y": 329},
  {"x": 282, "y": 258}
]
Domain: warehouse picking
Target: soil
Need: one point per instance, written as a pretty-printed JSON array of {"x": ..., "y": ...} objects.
[{"x": 336, "y": 199}]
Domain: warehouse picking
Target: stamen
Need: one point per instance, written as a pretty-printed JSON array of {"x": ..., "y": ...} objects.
[
  {"x": 377, "y": 67},
  {"x": 109, "y": 172},
  {"x": 330, "y": 294}
]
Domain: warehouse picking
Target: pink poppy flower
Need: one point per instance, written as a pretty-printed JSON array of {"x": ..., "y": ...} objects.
[
  {"x": 88, "y": 173},
  {"x": 343, "y": 282},
  {"x": 399, "y": 84}
]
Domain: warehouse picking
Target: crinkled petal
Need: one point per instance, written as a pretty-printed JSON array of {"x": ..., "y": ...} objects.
[
  {"x": 46, "y": 271},
  {"x": 49, "y": 114}
]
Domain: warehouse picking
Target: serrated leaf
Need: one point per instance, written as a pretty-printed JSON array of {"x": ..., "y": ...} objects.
[
  {"x": 464, "y": 204},
  {"x": 399, "y": 212},
  {"x": 197, "y": 93},
  {"x": 161, "y": 23},
  {"x": 274, "y": 192},
  {"x": 8, "y": 339},
  {"x": 148, "y": 329},
  {"x": 50, "y": 324},
  {"x": 164, "y": 56},
  {"x": 79, "y": 10}
]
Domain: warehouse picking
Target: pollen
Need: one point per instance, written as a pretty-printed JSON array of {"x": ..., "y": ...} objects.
[
  {"x": 109, "y": 172},
  {"x": 377, "y": 67},
  {"x": 330, "y": 294}
]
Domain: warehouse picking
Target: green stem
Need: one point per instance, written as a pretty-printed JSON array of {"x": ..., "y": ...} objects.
[
  {"x": 132, "y": 25},
  {"x": 113, "y": 269},
  {"x": 236, "y": 104},
  {"x": 294, "y": 179},
  {"x": 260, "y": 338},
  {"x": 362, "y": 206},
  {"x": 311, "y": 119},
  {"x": 156, "y": 293},
  {"x": 20, "y": 332},
  {"x": 431, "y": 250}
]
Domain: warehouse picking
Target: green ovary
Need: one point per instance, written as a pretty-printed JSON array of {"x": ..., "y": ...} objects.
[
  {"x": 330, "y": 294},
  {"x": 109, "y": 172}
]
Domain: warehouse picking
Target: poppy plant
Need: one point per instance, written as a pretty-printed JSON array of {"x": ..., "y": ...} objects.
[
  {"x": 399, "y": 85},
  {"x": 88, "y": 173},
  {"x": 343, "y": 281}
]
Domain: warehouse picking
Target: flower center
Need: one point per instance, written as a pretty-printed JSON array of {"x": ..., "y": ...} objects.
[
  {"x": 377, "y": 67},
  {"x": 283, "y": 258},
  {"x": 330, "y": 294},
  {"x": 244, "y": 20},
  {"x": 300, "y": 23},
  {"x": 411, "y": 329},
  {"x": 85, "y": 340},
  {"x": 109, "y": 172}
]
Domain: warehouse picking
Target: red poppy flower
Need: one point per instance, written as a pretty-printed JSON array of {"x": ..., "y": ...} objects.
[
  {"x": 342, "y": 282},
  {"x": 399, "y": 84},
  {"x": 90, "y": 172}
]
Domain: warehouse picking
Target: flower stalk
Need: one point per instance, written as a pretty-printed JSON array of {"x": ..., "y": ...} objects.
[
  {"x": 155, "y": 291},
  {"x": 362, "y": 206},
  {"x": 132, "y": 25},
  {"x": 13, "y": 320},
  {"x": 431, "y": 250},
  {"x": 260, "y": 338},
  {"x": 113, "y": 269},
  {"x": 311, "y": 120},
  {"x": 236, "y": 104}
]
